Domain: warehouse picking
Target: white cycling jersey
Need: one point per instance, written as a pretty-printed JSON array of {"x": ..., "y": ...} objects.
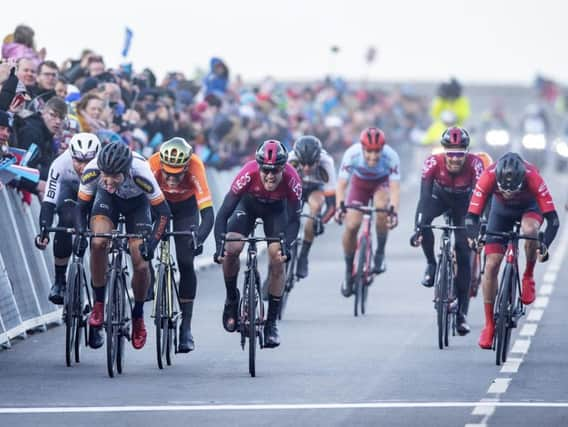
[
  {"x": 139, "y": 180},
  {"x": 323, "y": 174},
  {"x": 61, "y": 172}
]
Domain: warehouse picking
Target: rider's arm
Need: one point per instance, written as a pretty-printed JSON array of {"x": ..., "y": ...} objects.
[
  {"x": 425, "y": 195},
  {"x": 329, "y": 207},
  {"x": 206, "y": 224},
  {"x": 227, "y": 207},
  {"x": 294, "y": 211},
  {"x": 552, "y": 226},
  {"x": 163, "y": 213},
  {"x": 394, "y": 195},
  {"x": 340, "y": 191},
  {"x": 46, "y": 214}
]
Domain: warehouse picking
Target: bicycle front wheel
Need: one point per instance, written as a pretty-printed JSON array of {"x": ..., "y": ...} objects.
[
  {"x": 441, "y": 299},
  {"x": 359, "y": 276},
  {"x": 160, "y": 316},
  {"x": 504, "y": 314},
  {"x": 251, "y": 315},
  {"x": 112, "y": 321},
  {"x": 289, "y": 282},
  {"x": 70, "y": 314},
  {"x": 122, "y": 322}
]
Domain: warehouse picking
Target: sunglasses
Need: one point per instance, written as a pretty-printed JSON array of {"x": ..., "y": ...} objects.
[
  {"x": 271, "y": 170},
  {"x": 455, "y": 154}
]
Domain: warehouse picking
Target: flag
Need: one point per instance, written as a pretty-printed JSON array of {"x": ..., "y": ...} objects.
[{"x": 127, "y": 40}]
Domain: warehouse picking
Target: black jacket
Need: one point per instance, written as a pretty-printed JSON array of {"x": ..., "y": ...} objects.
[{"x": 34, "y": 131}]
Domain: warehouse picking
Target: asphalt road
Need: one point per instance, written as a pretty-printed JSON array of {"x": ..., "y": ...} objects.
[{"x": 383, "y": 368}]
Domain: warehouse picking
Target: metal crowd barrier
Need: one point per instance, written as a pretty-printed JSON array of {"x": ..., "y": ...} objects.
[{"x": 26, "y": 273}]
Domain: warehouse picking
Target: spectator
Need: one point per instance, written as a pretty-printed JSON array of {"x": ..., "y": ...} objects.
[
  {"x": 27, "y": 72},
  {"x": 22, "y": 45},
  {"x": 89, "y": 113},
  {"x": 74, "y": 70},
  {"x": 47, "y": 75},
  {"x": 40, "y": 129},
  {"x": 218, "y": 78},
  {"x": 61, "y": 87}
]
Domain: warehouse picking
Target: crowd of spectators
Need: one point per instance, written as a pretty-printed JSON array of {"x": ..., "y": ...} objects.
[{"x": 223, "y": 117}]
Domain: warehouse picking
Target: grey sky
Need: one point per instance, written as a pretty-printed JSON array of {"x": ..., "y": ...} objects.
[{"x": 483, "y": 40}]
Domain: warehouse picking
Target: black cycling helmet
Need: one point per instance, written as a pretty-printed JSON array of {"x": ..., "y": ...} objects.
[
  {"x": 455, "y": 137},
  {"x": 307, "y": 149},
  {"x": 271, "y": 154},
  {"x": 510, "y": 172},
  {"x": 114, "y": 158}
]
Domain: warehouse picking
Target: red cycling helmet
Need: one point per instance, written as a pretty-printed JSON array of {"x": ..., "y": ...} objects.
[
  {"x": 455, "y": 137},
  {"x": 372, "y": 139},
  {"x": 271, "y": 154}
]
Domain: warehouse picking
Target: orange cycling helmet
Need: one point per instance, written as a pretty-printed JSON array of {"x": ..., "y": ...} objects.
[
  {"x": 372, "y": 139},
  {"x": 485, "y": 159}
]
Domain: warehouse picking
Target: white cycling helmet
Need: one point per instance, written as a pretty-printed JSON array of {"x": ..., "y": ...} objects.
[{"x": 84, "y": 146}]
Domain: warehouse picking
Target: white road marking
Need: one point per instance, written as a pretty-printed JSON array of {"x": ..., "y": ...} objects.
[
  {"x": 512, "y": 365},
  {"x": 521, "y": 346},
  {"x": 549, "y": 277},
  {"x": 483, "y": 410},
  {"x": 546, "y": 289},
  {"x": 541, "y": 302},
  {"x": 535, "y": 315},
  {"x": 276, "y": 407},
  {"x": 499, "y": 385},
  {"x": 529, "y": 329}
]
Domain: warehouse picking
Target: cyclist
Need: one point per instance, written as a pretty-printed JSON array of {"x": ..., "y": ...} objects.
[
  {"x": 181, "y": 176},
  {"x": 518, "y": 193},
  {"x": 372, "y": 169},
  {"x": 268, "y": 188},
  {"x": 317, "y": 170},
  {"x": 124, "y": 184},
  {"x": 448, "y": 179},
  {"x": 61, "y": 196}
]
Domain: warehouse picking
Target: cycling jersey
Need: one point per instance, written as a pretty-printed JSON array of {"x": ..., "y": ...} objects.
[
  {"x": 139, "y": 180},
  {"x": 323, "y": 174},
  {"x": 534, "y": 188},
  {"x": 435, "y": 171},
  {"x": 353, "y": 163},
  {"x": 248, "y": 181},
  {"x": 60, "y": 173},
  {"x": 485, "y": 158},
  {"x": 194, "y": 182}
]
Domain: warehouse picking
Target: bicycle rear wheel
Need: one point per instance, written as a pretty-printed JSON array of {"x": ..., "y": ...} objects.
[
  {"x": 366, "y": 281},
  {"x": 160, "y": 318},
  {"x": 504, "y": 314},
  {"x": 112, "y": 321},
  {"x": 251, "y": 315},
  {"x": 449, "y": 300}
]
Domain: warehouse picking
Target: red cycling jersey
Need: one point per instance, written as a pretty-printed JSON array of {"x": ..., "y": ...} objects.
[
  {"x": 534, "y": 188},
  {"x": 248, "y": 181},
  {"x": 435, "y": 170}
]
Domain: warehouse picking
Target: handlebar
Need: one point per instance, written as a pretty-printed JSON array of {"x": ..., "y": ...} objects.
[
  {"x": 252, "y": 240},
  {"x": 509, "y": 235},
  {"x": 192, "y": 233},
  {"x": 367, "y": 209}
]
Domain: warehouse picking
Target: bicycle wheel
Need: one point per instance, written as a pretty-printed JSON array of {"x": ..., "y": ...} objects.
[
  {"x": 366, "y": 281},
  {"x": 171, "y": 320},
  {"x": 289, "y": 282},
  {"x": 70, "y": 314},
  {"x": 80, "y": 318},
  {"x": 359, "y": 274},
  {"x": 504, "y": 313},
  {"x": 122, "y": 323},
  {"x": 251, "y": 315},
  {"x": 450, "y": 295},
  {"x": 160, "y": 316},
  {"x": 112, "y": 320},
  {"x": 441, "y": 299}
]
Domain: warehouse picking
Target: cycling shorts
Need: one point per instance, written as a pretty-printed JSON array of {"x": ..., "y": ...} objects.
[
  {"x": 136, "y": 210},
  {"x": 273, "y": 215},
  {"x": 362, "y": 190},
  {"x": 308, "y": 188}
]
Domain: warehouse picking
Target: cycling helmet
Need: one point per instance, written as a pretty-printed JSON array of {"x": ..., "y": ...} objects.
[
  {"x": 510, "y": 172},
  {"x": 372, "y": 139},
  {"x": 84, "y": 146},
  {"x": 175, "y": 154},
  {"x": 307, "y": 149},
  {"x": 114, "y": 158},
  {"x": 271, "y": 154},
  {"x": 455, "y": 137}
]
